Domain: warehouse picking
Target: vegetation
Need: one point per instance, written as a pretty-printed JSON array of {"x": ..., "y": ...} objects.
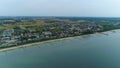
[{"x": 18, "y": 31}]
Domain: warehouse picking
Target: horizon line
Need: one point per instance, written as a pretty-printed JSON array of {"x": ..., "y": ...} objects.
[{"x": 67, "y": 16}]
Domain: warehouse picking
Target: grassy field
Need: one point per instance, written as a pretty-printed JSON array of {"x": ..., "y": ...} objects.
[{"x": 25, "y": 24}]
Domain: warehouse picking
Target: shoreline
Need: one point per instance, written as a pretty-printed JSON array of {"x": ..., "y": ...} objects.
[
  {"x": 35, "y": 44},
  {"x": 48, "y": 41}
]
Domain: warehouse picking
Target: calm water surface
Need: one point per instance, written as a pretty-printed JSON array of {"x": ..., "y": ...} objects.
[{"x": 96, "y": 51}]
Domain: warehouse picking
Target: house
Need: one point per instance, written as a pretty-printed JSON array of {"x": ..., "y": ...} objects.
[
  {"x": 8, "y": 33},
  {"x": 47, "y": 34}
]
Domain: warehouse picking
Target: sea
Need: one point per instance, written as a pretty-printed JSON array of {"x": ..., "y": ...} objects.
[{"x": 100, "y": 50}]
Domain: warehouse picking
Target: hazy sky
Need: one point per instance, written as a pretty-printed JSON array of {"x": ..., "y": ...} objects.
[{"x": 87, "y": 8}]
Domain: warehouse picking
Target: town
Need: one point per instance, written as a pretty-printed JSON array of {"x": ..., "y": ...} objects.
[{"x": 15, "y": 31}]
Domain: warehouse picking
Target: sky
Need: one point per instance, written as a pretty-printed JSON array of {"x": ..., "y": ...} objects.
[{"x": 80, "y": 8}]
